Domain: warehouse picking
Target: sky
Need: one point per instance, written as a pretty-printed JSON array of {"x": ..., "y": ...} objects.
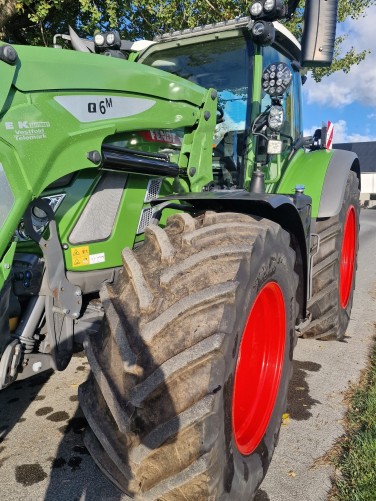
[{"x": 347, "y": 100}]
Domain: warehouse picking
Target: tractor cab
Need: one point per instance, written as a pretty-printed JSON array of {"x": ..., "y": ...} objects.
[{"x": 230, "y": 61}]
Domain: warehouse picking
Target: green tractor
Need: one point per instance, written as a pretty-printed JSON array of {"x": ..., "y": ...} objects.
[{"x": 162, "y": 208}]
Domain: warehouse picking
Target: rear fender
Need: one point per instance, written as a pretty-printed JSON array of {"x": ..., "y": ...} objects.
[
  {"x": 324, "y": 175},
  {"x": 293, "y": 213},
  {"x": 333, "y": 190}
]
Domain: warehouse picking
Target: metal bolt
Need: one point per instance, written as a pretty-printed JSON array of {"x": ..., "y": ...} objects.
[
  {"x": 37, "y": 366},
  {"x": 214, "y": 95},
  {"x": 94, "y": 156},
  {"x": 66, "y": 311},
  {"x": 75, "y": 315},
  {"x": 78, "y": 292},
  {"x": 192, "y": 171},
  {"x": 6, "y": 266},
  {"x": 8, "y": 54},
  {"x": 65, "y": 246},
  {"x": 299, "y": 188},
  {"x": 207, "y": 115}
]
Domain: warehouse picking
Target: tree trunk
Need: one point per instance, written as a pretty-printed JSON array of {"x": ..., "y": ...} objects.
[{"x": 7, "y": 10}]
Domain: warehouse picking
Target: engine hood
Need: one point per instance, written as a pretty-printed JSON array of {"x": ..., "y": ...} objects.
[{"x": 45, "y": 69}]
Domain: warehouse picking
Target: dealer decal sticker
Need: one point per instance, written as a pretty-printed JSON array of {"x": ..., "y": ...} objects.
[{"x": 28, "y": 131}]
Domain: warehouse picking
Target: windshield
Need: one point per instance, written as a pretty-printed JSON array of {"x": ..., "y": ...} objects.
[
  {"x": 225, "y": 65},
  {"x": 7, "y": 198}
]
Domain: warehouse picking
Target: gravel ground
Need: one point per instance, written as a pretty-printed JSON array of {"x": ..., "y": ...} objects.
[{"x": 42, "y": 455}]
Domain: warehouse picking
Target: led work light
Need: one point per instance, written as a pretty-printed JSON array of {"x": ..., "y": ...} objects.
[
  {"x": 109, "y": 40},
  {"x": 276, "y": 118},
  {"x": 99, "y": 39},
  {"x": 276, "y": 79},
  {"x": 263, "y": 33},
  {"x": 270, "y": 10}
]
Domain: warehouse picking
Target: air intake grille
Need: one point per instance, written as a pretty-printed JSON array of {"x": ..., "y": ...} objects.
[
  {"x": 98, "y": 217},
  {"x": 153, "y": 189},
  {"x": 145, "y": 218}
]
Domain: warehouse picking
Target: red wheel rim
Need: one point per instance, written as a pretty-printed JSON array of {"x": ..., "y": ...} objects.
[
  {"x": 259, "y": 368},
  {"x": 347, "y": 264}
]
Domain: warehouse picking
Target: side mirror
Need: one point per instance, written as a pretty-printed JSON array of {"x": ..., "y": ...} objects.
[{"x": 320, "y": 19}]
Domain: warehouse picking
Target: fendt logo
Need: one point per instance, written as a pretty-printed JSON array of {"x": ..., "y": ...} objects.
[{"x": 101, "y": 106}]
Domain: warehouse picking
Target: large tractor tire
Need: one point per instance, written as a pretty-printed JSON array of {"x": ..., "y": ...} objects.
[
  {"x": 190, "y": 373},
  {"x": 334, "y": 268}
]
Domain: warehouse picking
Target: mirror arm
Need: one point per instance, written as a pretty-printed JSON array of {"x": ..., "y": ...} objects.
[{"x": 291, "y": 8}]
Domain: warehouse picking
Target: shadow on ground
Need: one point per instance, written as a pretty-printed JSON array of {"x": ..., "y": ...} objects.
[
  {"x": 261, "y": 496},
  {"x": 74, "y": 469},
  {"x": 15, "y": 399},
  {"x": 299, "y": 401}
]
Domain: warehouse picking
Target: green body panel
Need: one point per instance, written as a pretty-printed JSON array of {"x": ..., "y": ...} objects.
[
  {"x": 41, "y": 140},
  {"x": 77, "y": 194},
  {"x": 308, "y": 169},
  {"x": 127, "y": 216},
  {"x": 66, "y": 70}
]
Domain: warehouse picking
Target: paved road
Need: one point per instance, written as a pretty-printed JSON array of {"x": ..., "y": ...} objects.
[
  {"x": 323, "y": 372},
  {"x": 42, "y": 456}
]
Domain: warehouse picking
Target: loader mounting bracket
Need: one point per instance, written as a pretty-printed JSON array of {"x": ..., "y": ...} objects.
[{"x": 63, "y": 299}]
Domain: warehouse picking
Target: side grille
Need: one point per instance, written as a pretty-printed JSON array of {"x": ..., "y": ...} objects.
[
  {"x": 98, "y": 217},
  {"x": 145, "y": 218},
  {"x": 153, "y": 189}
]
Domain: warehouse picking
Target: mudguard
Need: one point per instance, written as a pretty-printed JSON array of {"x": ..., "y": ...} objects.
[
  {"x": 324, "y": 174},
  {"x": 292, "y": 212},
  {"x": 335, "y": 182}
]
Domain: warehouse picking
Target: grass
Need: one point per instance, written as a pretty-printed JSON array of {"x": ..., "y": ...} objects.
[{"x": 356, "y": 465}]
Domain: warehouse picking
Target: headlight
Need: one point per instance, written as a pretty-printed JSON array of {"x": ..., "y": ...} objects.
[
  {"x": 268, "y": 10},
  {"x": 99, "y": 39},
  {"x": 258, "y": 29},
  {"x": 256, "y": 9},
  {"x": 269, "y": 5},
  {"x": 276, "y": 118},
  {"x": 263, "y": 33},
  {"x": 110, "y": 38}
]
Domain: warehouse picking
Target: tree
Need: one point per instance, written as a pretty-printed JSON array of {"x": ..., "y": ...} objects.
[
  {"x": 353, "y": 9},
  {"x": 36, "y": 21}
]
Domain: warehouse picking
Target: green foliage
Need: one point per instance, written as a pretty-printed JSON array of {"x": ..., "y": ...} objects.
[
  {"x": 353, "y": 9},
  {"x": 36, "y": 21},
  {"x": 357, "y": 465}
]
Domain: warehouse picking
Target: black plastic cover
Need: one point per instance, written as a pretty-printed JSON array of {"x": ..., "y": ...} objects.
[{"x": 320, "y": 18}]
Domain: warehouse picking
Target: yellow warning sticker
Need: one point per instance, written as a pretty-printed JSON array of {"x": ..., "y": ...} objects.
[{"x": 80, "y": 256}]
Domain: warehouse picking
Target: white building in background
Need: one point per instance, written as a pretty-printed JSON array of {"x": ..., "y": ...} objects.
[{"x": 367, "y": 157}]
